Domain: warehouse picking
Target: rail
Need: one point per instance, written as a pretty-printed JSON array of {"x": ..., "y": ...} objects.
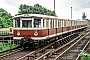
[
  {"x": 53, "y": 51},
  {"x": 83, "y": 49},
  {"x": 66, "y": 44},
  {"x": 43, "y": 55},
  {"x": 39, "y": 50},
  {"x": 26, "y": 56},
  {"x": 10, "y": 53},
  {"x": 36, "y": 51},
  {"x": 58, "y": 58}
]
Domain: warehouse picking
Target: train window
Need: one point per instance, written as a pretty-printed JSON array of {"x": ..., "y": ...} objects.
[
  {"x": 58, "y": 23},
  {"x": 43, "y": 23},
  {"x": 72, "y": 23},
  {"x": 69, "y": 22},
  {"x": 55, "y": 23},
  {"x": 61, "y": 24},
  {"x": 64, "y": 23},
  {"x": 37, "y": 23},
  {"x": 52, "y": 23},
  {"x": 47, "y": 23},
  {"x": 26, "y": 23},
  {"x": 17, "y": 23},
  {"x": 75, "y": 23}
]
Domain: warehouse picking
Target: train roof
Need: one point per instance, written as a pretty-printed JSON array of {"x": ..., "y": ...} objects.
[
  {"x": 42, "y": 16},
  {"x": 35, "y": 15}
]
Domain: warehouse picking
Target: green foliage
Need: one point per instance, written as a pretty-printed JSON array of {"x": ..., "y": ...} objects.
[
  {"x": 6, "y": 46},
  {"x": 5, "y": 19},
  {"x": 36, "y": 9},
  {"x": 84, "y": 55}
]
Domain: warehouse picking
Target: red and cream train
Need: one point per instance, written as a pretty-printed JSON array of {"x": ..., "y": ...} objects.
[{"x": 39, "y": 29}]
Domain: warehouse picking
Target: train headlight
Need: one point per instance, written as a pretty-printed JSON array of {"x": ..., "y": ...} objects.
[
  {"x": 18, "y": 32},
  {"x": 36, "y": 33},
  {"x": 11, "y": 30}
]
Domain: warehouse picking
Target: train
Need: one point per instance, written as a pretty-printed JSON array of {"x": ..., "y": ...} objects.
[{"x": 36, "y": 30}]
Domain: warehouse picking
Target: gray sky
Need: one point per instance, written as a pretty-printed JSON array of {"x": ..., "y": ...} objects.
[{"x": 62, "y": 6}]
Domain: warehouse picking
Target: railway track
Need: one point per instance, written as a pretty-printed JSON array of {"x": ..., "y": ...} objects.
[
  {"x": 72, "y": 52},
  {"x": 20, "y": 53},
  {"x": 49, "y": 49},
  {"x": 68, "y": 51},
  {"x": 10, "y": 51},
  {"x": 16, "y": 55}
]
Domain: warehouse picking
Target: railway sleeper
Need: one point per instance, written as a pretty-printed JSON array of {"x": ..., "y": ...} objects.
[
  {"x": 78, "y": 48},
  {"x": 74, "y": 51},
  {"x": 68, "y": 58},
  {"x": 63, "y": 41},
  {"x": 73, "y": 36},
  {"x": 67, "y": 39},
  {"x": 70, "y": 54},
  {"x": 57, "y": 44}
]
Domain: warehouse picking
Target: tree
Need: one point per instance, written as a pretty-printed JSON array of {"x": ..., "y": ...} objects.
[
  {"x": 5, "y": 19},
  {"x": 36, "y": 9}
]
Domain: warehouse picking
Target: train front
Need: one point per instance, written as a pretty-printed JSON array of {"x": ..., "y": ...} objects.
[{"x": 27, "y": 30}]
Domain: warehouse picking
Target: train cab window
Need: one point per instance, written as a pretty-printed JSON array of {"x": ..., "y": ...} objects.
[
  {"x": 37, "y": 23},
  {"x": 26, "y": 23},
  {"x": 17, "y": 23}
]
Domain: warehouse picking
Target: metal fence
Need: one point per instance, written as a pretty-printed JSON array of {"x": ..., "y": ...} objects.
[{"x": 4, "y": 33}]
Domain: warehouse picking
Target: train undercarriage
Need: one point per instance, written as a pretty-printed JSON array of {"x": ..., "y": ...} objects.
[{"x": 34, "y": 44}]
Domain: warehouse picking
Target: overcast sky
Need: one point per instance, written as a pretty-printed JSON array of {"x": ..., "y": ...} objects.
[{"x": 63, "y": 7}]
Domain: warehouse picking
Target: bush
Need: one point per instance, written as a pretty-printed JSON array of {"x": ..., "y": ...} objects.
[{"x": 6, "y": 46}]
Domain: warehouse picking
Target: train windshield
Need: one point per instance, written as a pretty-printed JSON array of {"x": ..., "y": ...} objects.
[
  {"x": 26, "y": 23},
  {"x": 17, "y": 23},
  {"x": 37, "y": 23}
]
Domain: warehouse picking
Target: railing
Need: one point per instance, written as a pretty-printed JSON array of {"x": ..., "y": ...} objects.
[{"x": 4, "y": 33}]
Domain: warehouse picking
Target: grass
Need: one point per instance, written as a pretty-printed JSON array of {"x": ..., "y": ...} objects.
[{"x": 6, "y": 46}]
